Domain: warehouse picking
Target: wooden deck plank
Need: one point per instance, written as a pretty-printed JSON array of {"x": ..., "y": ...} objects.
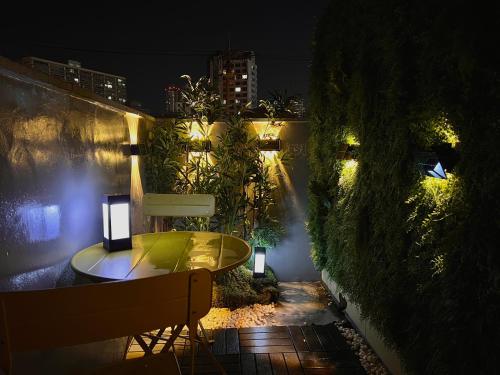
[
  {"x": 248, "y": 364},
  {"x": 311, "y": 339},
  {"x": 278, "y": 364},
  {"x": 315, "y": 360},
  {"x": 298, "y": 339},
  {"x": 321, "y": 371},
  {"x": 270, "y": 350},
  {"x": 264, "y": 335},
  {"x": 327, "y": 341},
  {"x": 293, "y": 363},
  {"x": 263, "y": 329},
  {"x": 266, "y": 342},
  {"x": 211, "y": 369},
  {"x": 205, "y": 359},
  {"x": 232, "y": 341},
  {"x": 267, "y": 349},
  {"x": 219, "y": 345},
  {"x": 263, "y": 364},
  {"x": 336, "y": 337}
]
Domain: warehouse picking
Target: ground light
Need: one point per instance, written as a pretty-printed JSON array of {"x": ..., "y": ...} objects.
[
  {"x": 116, "y": 222},
  {"x": 259, "y": 262}
]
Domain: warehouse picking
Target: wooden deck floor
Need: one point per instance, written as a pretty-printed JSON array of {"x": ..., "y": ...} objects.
[{"x": 271, "y": 350}]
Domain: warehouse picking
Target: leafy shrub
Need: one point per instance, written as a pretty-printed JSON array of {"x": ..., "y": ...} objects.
[{"x": 238, "y": 288}]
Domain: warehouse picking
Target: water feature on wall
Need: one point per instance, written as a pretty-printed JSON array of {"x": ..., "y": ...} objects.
[{"x": 58, "y": 155}]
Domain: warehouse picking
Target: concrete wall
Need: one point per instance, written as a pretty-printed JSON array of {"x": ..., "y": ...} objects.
[
  {"x": 372, "y": 336},
  {"x": 291, "y": 259},
  {"x": 59, "y": 154}
]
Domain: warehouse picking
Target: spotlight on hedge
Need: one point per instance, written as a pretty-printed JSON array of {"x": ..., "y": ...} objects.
[
  {"x": 430, "y": 165},
  {"x": 347, "y": 152},
  {"x": 437, "y": 162},
  {"x": 259, "y": 262},
  {"x": 117, "y": 225}
]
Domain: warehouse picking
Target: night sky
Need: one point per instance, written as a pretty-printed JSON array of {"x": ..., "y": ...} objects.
[{"x": 154, "y": 45}]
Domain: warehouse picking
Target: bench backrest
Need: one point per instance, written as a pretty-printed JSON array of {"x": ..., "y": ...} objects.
[
  {"x": 179, "y": 205},
  {"x": 43, "y": 319}
]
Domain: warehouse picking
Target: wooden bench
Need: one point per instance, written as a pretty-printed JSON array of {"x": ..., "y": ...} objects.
[
  {"x": 178, "y": 205},
  {"x": 45, "y": 319}
]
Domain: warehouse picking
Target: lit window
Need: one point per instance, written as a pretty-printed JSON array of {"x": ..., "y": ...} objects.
[
  {"x": 76, "y": 79},
  {"x": 237, "y": 101},
  {"x": 224, "y": 101},
  {"x": 244, "y": 76},
  {"x": 224, "y": 71},
  {"x": 237, "y": 89},
  {"x": 119, "y": 80},
  {"x": 109, "y": 97}
]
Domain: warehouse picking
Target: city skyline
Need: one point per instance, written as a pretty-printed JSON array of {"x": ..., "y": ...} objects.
[{"x": 152, "y": 49}]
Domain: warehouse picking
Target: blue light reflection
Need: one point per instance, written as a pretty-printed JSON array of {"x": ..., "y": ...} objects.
[{"x": 40, "y": 223}]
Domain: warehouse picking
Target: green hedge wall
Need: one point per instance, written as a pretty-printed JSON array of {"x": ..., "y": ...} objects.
[{"x": 420, "y": 256}]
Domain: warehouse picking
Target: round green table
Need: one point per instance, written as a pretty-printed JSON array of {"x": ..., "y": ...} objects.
[{"x": 163, "y": 252}]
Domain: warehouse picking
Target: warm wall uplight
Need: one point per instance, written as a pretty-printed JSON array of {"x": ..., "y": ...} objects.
[
  {"x": 270, "y": 145},
  {"x": 133, "y": 126}
]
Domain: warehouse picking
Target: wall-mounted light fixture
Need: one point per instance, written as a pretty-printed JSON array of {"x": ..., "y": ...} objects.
[
  {"x": 270, "y": 144},
  {"x": 347, "y": 151},
  {"x": 430, "y": 165},
  {"x": 259, "y": 264},
  {"x": 134, "y": 149},
  {"x": 117, "y": 225},
  {"x": 437, "y": 162}
]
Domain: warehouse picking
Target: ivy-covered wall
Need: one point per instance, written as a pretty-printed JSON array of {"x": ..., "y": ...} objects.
[{"x": 419, "y": 255}]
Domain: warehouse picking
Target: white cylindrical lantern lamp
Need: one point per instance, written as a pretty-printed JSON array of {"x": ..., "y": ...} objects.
[{"x": 117, "y": 224}]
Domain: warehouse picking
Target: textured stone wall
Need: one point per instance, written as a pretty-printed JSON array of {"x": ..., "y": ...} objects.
[{"x": 58, "y": 155}]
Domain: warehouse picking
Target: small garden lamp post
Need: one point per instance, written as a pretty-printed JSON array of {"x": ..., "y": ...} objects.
[
  {"x": 116, "y": 222},
  {"x": 259, "y": 262}
]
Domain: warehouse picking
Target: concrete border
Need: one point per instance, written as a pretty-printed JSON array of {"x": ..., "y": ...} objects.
[{"x": 389, "y": 357}]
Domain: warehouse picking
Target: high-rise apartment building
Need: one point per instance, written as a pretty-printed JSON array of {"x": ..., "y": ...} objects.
[
  {"x": 174, "y": 104},
  {"x": 108, "y": 86},
  {"x": 234, "y": 74}
]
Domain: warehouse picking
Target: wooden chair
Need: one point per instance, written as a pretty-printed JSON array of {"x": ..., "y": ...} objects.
[
  {"x": 45, "y": 319},
  {"x": 178, "y": 205}
]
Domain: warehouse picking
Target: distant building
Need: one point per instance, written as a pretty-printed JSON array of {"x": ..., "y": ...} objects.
[
  {"x": 234, "y": 73},
  {"x": 108, "y": 86},
  {"x": 300, "y": 108},
  {"x": 174, "y": 104}
]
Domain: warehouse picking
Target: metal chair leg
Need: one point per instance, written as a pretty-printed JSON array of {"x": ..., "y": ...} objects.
[
  {"x": 194, "y": 337},
  {"x": 204, "y": 333}
]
